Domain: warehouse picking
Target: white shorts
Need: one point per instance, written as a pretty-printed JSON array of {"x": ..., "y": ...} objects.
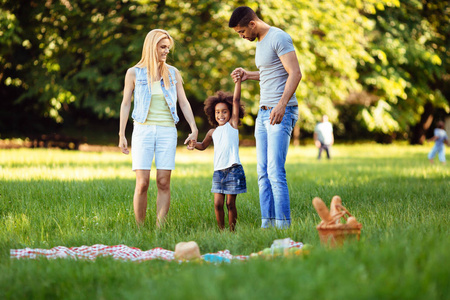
[{"x": 152, "y": 140}]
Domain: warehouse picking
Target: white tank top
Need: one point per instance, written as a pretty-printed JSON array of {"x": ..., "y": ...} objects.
[{"x": 226, "y": 147}]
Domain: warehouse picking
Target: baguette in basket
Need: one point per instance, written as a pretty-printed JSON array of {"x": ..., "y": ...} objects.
[{"x": 331, "y": 231}]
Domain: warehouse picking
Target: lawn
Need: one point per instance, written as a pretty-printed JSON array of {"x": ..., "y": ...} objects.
[{"x": 51, "y": 197}]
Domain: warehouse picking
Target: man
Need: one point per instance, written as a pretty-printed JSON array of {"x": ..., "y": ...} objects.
[
  {"x": 323, "y": 136},
  {"x": 279, "y": 75}
]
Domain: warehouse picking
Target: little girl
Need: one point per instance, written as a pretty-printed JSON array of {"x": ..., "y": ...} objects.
[
  {"x": 224, "y": 113},
  {"x": 440, "y": 138}
]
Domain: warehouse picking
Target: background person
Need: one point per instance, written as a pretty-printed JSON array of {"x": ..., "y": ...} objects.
[
  {"x": 224, "y": 113},
  {"x": 323, "y": 136},
  {"x": 279, "y": 75},
  {"x": 156, "y": 86},
  {"x": 440, "y": 138}
]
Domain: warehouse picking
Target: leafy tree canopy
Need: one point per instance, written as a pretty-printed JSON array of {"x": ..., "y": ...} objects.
[{"x": 383, "y": 61}]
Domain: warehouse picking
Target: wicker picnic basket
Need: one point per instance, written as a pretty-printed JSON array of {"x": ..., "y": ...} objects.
[{"x": 332, "y": 231}]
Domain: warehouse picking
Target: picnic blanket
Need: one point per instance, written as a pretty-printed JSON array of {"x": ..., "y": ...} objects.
[{"x": 126, "y": 253}]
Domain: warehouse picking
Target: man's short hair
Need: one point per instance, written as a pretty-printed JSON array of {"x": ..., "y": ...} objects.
[{"x": 242, "y": 16}]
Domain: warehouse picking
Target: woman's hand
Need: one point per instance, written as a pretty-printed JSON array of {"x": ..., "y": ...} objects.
[
  {"x": 191, "y": 140},
  {"x": 123, "y": 145},
  {"x": 190, "y": 146}
]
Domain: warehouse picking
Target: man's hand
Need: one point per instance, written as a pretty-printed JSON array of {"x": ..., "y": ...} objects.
[{"x": 276, "y": 116}]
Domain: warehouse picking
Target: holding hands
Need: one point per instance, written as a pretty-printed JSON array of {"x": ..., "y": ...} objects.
[
  {"x": 239, "y": 74},
  {"x": 191, "y": 140}
]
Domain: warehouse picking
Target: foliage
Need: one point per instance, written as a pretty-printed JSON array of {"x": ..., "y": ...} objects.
[
  {"x": 330, "y": 42},
  {"x": 68, "y": 52},
  {"x": 52, "y": 198},
  {"x": 411, "y": 62},
  {"x": 67, "y": 59}
]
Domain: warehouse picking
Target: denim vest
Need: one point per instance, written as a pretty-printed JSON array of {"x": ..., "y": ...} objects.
[{"x": 143, "y": 96}]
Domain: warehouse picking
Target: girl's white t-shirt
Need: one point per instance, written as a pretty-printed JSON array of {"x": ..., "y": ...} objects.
[{"x": 226, "y": 147}]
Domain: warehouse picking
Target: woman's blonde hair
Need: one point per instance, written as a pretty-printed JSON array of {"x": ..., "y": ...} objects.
[{"x": 150, "y": 57}]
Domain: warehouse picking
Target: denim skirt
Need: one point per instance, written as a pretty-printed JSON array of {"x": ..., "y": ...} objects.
[{"x": 230, "y": 181}]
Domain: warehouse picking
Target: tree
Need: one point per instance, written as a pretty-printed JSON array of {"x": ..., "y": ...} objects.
[
  {"x": 409, "y": 73},
  {"x": 70, "y": 56},
  {"x": 380, "y": 66}
]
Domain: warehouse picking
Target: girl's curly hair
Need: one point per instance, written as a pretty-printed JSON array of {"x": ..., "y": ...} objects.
[{"x": 220, "y": 97}]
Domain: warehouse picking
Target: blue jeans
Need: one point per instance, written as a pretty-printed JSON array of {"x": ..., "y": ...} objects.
[
  {"x": 272, "y": 143},
  {"x": 440, "y": 150}
]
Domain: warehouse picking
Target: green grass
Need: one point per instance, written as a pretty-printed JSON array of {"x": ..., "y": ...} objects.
[{"x": 54, "y": 198}]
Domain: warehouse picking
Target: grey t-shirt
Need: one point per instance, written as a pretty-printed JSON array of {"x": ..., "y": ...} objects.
[{"x": 272, "y": 74}]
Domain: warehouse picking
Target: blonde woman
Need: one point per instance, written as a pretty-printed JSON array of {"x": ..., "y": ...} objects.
[{"x": 157, "y": 86}]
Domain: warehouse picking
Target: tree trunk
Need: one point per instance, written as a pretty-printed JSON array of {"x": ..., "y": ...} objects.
[{"x": 419, "y": 130}]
